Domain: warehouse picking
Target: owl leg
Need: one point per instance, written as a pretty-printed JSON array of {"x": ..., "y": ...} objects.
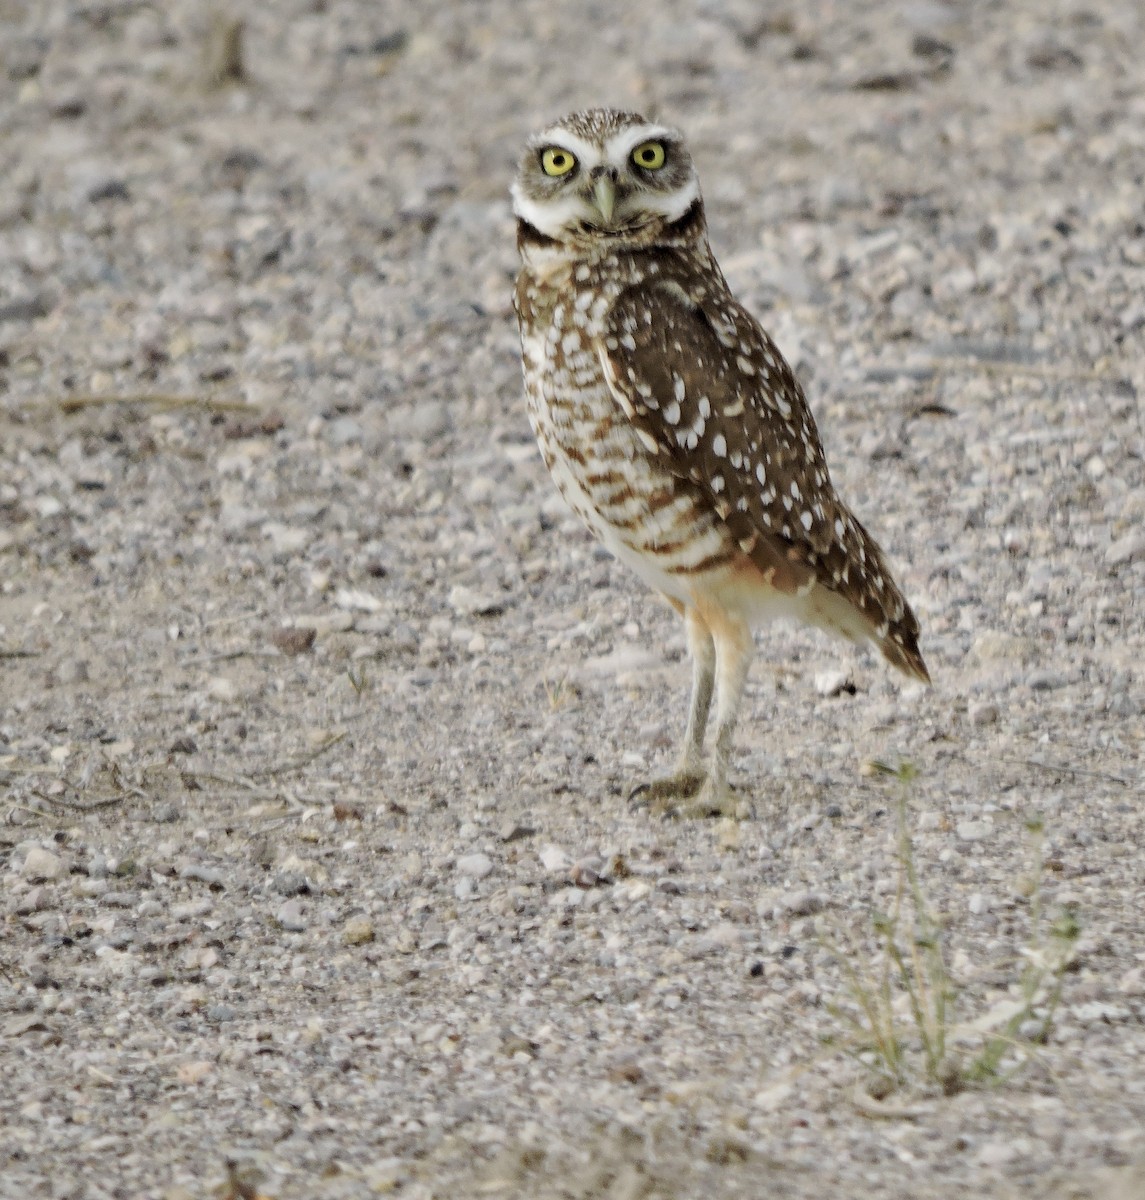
[
  {"x": 724, "y": 656},
  {"x": 703, "y": 652},
  {"x": 734, "y": 650},
  {"x": 664, "y": 796}
]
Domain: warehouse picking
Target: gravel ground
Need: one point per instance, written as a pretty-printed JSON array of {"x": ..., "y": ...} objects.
[{"x": 319, "y": 713}]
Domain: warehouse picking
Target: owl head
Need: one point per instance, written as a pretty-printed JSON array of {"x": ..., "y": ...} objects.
[{"x": 603, "y": 174}]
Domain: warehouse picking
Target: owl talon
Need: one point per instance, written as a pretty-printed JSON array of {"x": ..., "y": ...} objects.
[
  {"x": 690, "y": 797},
  {"x": 661, "y": 796},
  {"x": 713, "y": 802}
]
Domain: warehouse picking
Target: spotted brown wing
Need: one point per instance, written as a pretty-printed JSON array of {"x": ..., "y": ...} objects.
[{"x": 714, "y": 399}]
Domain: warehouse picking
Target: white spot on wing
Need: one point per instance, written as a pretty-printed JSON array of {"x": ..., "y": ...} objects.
[{"x": 648, "y": 440}]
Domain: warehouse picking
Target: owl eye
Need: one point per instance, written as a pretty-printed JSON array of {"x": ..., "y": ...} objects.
[
  {"x": 649, "y": 155},
  {"x": 555, "y": 161}
]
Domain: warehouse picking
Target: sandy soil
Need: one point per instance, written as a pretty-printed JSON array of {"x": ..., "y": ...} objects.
[{"x": 319, "y": 713}]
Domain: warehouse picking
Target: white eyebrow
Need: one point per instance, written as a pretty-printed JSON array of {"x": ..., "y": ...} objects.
[
  {"x": 584, "y": 151},
  {"x": 620, "y": 145}
]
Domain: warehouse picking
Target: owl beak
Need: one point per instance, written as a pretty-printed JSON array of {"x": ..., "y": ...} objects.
[{"x": 604, "y": 197}]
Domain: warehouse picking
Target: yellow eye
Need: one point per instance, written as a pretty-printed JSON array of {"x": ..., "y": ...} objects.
[
  {"x": 649, "y": 155},
  {"x": 555, "y": 161}
]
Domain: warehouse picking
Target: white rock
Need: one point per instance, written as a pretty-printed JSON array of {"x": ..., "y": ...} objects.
[
  {"x": 802, "y": 904},
  {"x": 833, "y": 683},
  {"x": 323, "y": 624},
  {"x": 1089, "y": 1014},
  {"x": 994, "y": 646},
  {"x": 290, "y": 916},
  {"x": 386, "y": 1175},
  {"x": 553, "y": 858},
  {"x": 48, "y": 506},
  {"x": 974, "y": 831},
  {"x": 42, "y": 866},
  {"x": 634, "y": 663},
  {"x": 357, "y": 601},
  {"x": 235, "y": 518},
  {"x": 1127, "y": 549},
  {"x": 774, "y": 1097},
  {"x": 720, "y": 937},
  {"x": 476, "y": 866},
  {"x": 116, "y": 962},
  {"x": 286, "y": 539},
  {"x": 995, "y": 1154},
  {"x": 469, "y": 603},
  {"x": 221, "y": 688}
]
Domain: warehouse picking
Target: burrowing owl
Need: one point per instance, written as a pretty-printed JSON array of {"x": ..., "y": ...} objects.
[{"x": 673, "y": 426}]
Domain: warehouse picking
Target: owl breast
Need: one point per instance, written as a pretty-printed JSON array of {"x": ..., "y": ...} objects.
[{"x": 608, "y": 474}]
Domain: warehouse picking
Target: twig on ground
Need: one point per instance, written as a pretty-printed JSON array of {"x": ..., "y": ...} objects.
[
  {"x": 868, "y": 1106},
  {"x": 303, "y": 760},
  {"x": 163, "y": 401},
  {"x": 90, "y": 805},
  {"x": 15, "y": 804},
  {"x": 256, "y": 790},
  {"x": 1062, "y": 768}
]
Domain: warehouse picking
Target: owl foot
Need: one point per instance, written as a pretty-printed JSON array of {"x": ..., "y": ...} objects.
[
  {"x": 658, "y": 795},
  {"x": 690, "y": 796},
  {"x": 717, "y": 801}
]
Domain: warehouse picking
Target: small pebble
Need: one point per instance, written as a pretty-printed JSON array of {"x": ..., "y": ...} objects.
[
  {"x": 834, "y": 683},
  {"x": 42, "y": 866},
  {"x": 553, "y": 858},
  {"x": 290, "y": 883},
  {"x": 294, "y": 639},
  {"x": 203, "y": 874},
  {"x": 587, "y": 872},
  {"x": 802, "y": 904},
  {"x": 1127, "y": 549},
  {"x": 290, "y": 916},
  {"x": 357, "y": 931},
  {"x": 33, "y": 900},
  {"x": 476, "y": 866},
  {"x": 514, "y": 831}
]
